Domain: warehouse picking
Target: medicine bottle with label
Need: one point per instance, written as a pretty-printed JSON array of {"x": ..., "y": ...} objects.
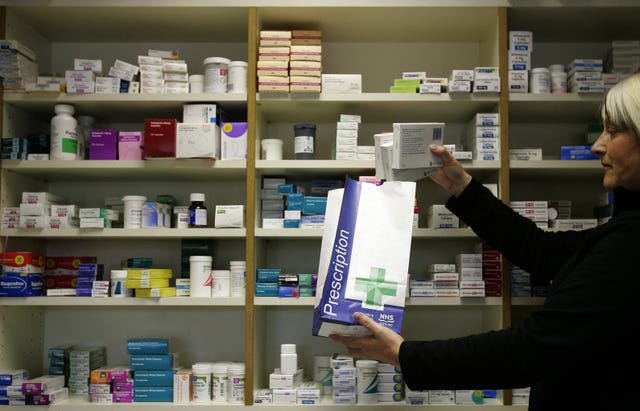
[
  {"x": 197, "y": 211},
  {"x": 64, "y": 134},
  {"x": 304, "y": 141}
]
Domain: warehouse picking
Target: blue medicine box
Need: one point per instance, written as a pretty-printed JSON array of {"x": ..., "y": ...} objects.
[
  {"x": 147, "y": 346},
  {"x": 21, "y": 285},
  {"x": 577, "y": 153},
  {"x": 151, "y": 362},
  {"x": 152, "y": 394},
  {"x": 314, "y": 205},
  {"x": 295, "y": 201},
  {"x": 266, "y": 289},
  {"x": 153, "y": 378},
  {"x": 268, "y": 275}
]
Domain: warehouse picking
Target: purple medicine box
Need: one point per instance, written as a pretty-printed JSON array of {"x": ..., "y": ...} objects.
[{"x": 103, "y": 145}]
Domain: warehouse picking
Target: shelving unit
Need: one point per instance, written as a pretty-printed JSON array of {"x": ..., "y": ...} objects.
[{"x": 371, "y": 37}]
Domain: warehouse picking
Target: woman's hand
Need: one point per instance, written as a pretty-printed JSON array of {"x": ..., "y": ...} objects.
[
  {"x": 451, "y": 176},
  {"x": 383, "y": 345}
]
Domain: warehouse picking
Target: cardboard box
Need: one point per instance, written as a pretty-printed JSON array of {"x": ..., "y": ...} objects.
[{"x": 159, "y": 138}]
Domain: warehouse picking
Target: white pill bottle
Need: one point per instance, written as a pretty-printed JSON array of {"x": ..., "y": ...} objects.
[{"x": 64, "y": 134}]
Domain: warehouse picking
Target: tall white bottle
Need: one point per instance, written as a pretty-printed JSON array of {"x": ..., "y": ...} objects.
[
  {"x": 64, "y": 134},
  {"x": 288, "y": 359}
]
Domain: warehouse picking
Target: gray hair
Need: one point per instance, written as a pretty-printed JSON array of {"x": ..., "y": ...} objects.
[{"x": 621, "y": 106}]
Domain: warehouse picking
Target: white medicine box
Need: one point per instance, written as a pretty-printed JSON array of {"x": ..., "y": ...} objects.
[{"x": 197, "y": 140}]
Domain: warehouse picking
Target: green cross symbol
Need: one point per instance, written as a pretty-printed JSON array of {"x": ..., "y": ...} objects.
[{"x": 375, "y": 286}]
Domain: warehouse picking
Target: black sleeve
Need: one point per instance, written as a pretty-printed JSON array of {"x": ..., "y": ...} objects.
[
  {"x": 519, "y": 239},
  {"x": 590, "y": 312}
]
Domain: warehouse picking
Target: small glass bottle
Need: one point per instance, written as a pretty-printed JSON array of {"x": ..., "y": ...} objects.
[{"x": 197, "y": 211}]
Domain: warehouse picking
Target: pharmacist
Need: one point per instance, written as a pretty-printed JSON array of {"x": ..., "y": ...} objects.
[{"x": 579, "y": 351}]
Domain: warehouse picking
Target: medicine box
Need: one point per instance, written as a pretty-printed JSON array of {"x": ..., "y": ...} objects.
[
  {"x": 130, "y": 145},
  {"x": 342, "y": 83},
  {"x": 103, "y": 144},
  {"x": 233, "y": 141},
  {"x": 197, "y": 140},
  {"x": 229, "y": 216},
  {"x": 577, "y": 153},
  {"x": 411, "y": 143},
  {"x": 159, "y": 138}
]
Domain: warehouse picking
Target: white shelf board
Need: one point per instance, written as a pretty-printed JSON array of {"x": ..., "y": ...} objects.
[
  {"x": 421, "y": 233},
  {"x": 128, "y": 233},
  {"x": 142, "y": 170},
  {"x": 374, "y": 107},
  {"x": 122, "y": 302},
  {"x": 125, "y": 107},
  {"x": 413, "y": 301}
]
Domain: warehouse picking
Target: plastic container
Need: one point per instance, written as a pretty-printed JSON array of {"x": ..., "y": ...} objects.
[
  {"x": 133, "y": 211},
  {"x": 366, "y": 381},
  {"x": 304, "y": 141},
  {"x": 236, "y": 383},
  {"x": 288, "y": 359},
  {"x": 238, "y": 271},
  {"x": 86, "y": 124},
  {"x": 196, "y": 83},
  {"x": 220, "y": 283},
  {"x": 220, "y": 382},
  {"x": 540, "y": 81},
  {"x": 200, "y": 275},
  {"x": 64, "y": 134},
  {"x": 197, "y": 211},
  {"x": 201, "y": 382},
  {"x": 215, "y": 74},
  {"x": 271, "y": 149},
  {"x": 117, "y": 285},
  {"x": 237, "y": 79},
  {"x": 558, "y": 82}
]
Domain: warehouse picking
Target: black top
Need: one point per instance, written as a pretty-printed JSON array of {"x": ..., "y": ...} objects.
[{"x": 579, "y": 350}]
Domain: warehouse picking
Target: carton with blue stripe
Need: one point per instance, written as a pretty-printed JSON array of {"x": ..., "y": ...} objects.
[{"x": 364, "y": 257}]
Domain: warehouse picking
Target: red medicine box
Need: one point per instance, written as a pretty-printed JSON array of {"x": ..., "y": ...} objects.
[{"x": 159, "y": 138}]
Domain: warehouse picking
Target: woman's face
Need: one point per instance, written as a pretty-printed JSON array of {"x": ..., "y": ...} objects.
[{"x": 620, "y": 157}]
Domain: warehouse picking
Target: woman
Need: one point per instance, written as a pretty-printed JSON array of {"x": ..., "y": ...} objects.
[{"x": 579, "y": 350}]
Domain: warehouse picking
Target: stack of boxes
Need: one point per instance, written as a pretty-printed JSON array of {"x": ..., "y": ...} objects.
[
  {"x": 61, "y": 273},
  {"x": 273, "y": 61},
  {"x": 150, "y": 282},
  {"x": 35, "y": 206},
  {"x": 536, "y": 211},
  {"x": 305, "y": 65},
  {"x": 111, "y": 384},
  {"x": 469, "y": 264},
  {"x": 461, "y": 81},
  {"x": 390, "y": 383},
  {"x": 98, "y": 217},
  {"x": 347, "y": 137},
  {"x": 82, "y": 79},
  {"x": 20, "y": 148},
  {"x": 344, "y": 380},
  {"x": 175, "y": 75},
  {"x": 45, "y": 390},
  {"x": 59, "y": 361},
  {"x": 520, "y": 48},
  {"x": 520, "y": 282},
  {"x": 90, "y": 283},
  {"x": 438, "y": 216},
  {"x": 83, "y": 360},
  {"x": 22, "y": 274},
  {"x": 272, "y": 204},
  {"x": 198, "y": 136},
  {"x": 153, "y": 368},
  {"x": 624, "y": 56},
  {"x": 11, "y": 386},
  {"x": 445, "y": 280},
  {"x": 126, "y": 73},
  {"x": 272, "y": 282},
  {"x": 17, "y": 65},
  {"x": 491, "y": 270},
  {"x": 483, "y": 136},
  {"x": 585, "y": 76}
]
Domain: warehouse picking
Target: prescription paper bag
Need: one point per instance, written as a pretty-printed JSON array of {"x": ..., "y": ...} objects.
[{"x": 364, "y": 257}]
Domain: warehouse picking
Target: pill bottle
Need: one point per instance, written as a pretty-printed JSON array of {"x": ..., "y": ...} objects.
[
  {"x": 558, "y": 79},
  {"x": 304, "y": 141},
  {"x": 215, "y": 74},
  {"x": 118, "y": 280},
  {"x": 86, "y": 124},
  {"x": 540, "y": 82},
  {"x": 366, "y": 381},
  {"x": 236, "y": 383},
  {"x": 220, "y": 382},
  {"x": 64, "y": 134},
  {"x": 197, "y": 211},
  {"x": 201, "y": 382},
  {"x": 271, "y": 149},
  {"x": 238, "y": 273},
  {"x": 196, "y": 83},
  {"x": 288, "y": 359},
  {"x": 200, "y": 275},
  {"x": 220, "y": 283},
  {"x": 133, "y": 211},
  {"x": 237, "y": 80}
]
